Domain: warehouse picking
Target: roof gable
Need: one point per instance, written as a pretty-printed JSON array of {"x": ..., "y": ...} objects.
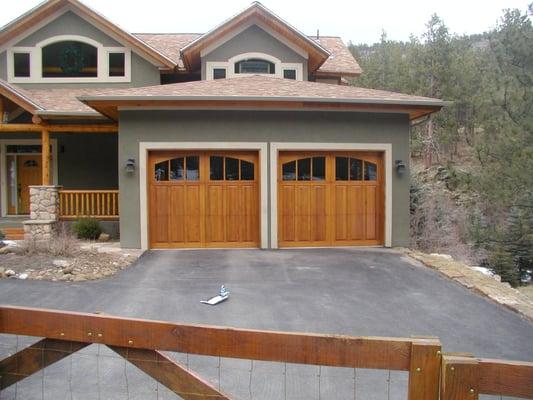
[
  {"x": 256, "y": 12},
  {"x": 28, "y": 21}
]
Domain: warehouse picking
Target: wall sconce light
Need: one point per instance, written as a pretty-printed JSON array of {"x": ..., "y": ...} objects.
[
  {"x": 400, "y": 167},
  {"x": 130, "y": 166}
]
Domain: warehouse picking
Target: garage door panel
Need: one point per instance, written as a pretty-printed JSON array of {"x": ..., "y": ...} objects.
[
  {"x": 215, "y": 214},
  {"x": 318, "y": 213},
  {"x": 341, "y": 213},
  {"x": 288, "y": 207},
  {"x": 302, "y": 213},
  {"x": 192, "y": 226},
  {"x": 160, "y": 213},
  {"x": 250, "y": 217},
  {"x": 177, "y": 200},
  {"x": 370, "y": 211},
  {"x": 356, "y": 215}
]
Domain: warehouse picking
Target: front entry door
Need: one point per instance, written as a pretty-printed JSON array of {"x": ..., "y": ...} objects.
[{"x": 29, "y": 172}]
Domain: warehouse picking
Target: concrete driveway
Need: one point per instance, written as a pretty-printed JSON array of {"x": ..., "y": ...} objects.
[{"x": 344, "y": 291}]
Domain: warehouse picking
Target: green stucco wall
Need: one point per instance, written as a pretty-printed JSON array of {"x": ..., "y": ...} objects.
[
  {"x": 254, "y": 40},
  {"x": 259, "y": 126},
  {"x": 142, "y": 72}
]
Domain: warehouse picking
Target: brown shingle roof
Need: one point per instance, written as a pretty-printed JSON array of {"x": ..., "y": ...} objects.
[
  {"x": 169, "y": 44},
  {"x": 341, "y": 62},
  {"x": 260, "y": 87},
  {"x": 52, "y": 101}
]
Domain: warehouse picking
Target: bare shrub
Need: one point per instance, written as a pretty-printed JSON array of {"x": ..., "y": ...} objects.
[{"x": 63, "y": 244}]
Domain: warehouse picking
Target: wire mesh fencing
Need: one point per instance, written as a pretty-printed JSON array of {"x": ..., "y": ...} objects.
[{"x": 97, "y": 372}]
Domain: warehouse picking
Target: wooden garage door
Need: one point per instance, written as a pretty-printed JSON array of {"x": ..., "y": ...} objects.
[
  {"x": 203, "y": 199},
  {"x": 330, "y": 199}
]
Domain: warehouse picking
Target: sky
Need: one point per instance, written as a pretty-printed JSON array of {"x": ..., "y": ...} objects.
[{"x": 355, "y": 21}]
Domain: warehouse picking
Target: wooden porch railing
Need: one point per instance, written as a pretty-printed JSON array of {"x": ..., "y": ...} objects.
[
  {"x": 140, "y": 342},
  {"x": 99, "y": 204}
]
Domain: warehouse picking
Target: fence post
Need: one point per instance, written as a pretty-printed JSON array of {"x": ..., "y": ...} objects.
[
  {"x": 459, "y": 378},
  {"x": 424, "y": 371}
]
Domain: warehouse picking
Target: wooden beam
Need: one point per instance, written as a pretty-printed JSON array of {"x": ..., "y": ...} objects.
[
  {"x": 168, "y": 372},
  {"x": 459, "y": 378},
  {"x": 424, "y": 372},
  {"x": 32, "y": 128},
  {"x": 34, "y": 358},
  {"x": 299, "y": 348},
  {"x": 507, "y": 378},
  {"x": 45, "y": 157}
]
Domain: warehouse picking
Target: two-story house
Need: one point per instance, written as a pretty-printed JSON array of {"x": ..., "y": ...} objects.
[{"x": 245, "y": 136}]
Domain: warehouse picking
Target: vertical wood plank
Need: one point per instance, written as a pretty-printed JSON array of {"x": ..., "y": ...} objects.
[
  {"x": 424, "y": 369},
  {"x": 45, "y": 154},
  {"x": 459, "y": 378}
]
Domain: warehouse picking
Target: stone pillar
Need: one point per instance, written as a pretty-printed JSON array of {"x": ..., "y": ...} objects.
[{"x": 44, "y": 213}]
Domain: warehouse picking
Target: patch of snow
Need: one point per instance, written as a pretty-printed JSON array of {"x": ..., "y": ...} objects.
[
  {"x": 12, "y": 243},
  {"x": 23, "y": 276},
  {"x": 483, "y": 270},
  {"x": 446, "y": 256}
]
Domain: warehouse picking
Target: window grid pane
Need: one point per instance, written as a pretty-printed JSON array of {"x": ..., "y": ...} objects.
[
  {"x": 289, "y": 171},
  {"x": 304, "y": 169},
  {"x": 161, "y": 171},
  {"x": 216, "y": 167},
  {"x": 247, "y": 171},
  {"x": 22, "y": 65},
  {"x": 192, "y": 165},
  {"x": 289, "y": 74},
  {"x": 117, "y": 64},
  {"x": 177, "y": 170},
  {"x": 319, "y": 168},
  {"x": 232, "y": 169},
  {"x": 341, "y": 168},
  {"x": 356, "y": 169},
  {"x": 371, "y": 172},
  {"x": 219, "y": 73}
]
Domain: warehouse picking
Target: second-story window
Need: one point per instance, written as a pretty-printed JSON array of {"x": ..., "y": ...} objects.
[
  {"x": 219, "y": 73},
  {"x": 70, "y": 59},
  {"x": 255, "y": 66}
]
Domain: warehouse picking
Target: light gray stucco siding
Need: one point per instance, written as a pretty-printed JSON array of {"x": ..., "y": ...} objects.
[
  {"x": 254, "y": 40},
  {"x": 259, "y": 126},
  {"x": 143, "y": 73}
]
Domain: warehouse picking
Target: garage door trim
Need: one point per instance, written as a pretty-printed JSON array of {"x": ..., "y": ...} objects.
[
  {"x": 261, "y": 147},
  {"x": 275, "y": 148}
]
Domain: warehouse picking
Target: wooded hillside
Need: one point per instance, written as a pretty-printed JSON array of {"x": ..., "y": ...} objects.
[{"x": 472, "y": 163}]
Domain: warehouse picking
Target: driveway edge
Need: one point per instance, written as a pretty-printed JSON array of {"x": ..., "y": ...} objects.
[{"x": 465, "y": 275}]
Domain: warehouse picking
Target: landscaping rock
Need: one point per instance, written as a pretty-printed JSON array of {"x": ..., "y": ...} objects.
[
  {"x": 61, "y": 263},
  {"x": 2, "y": 272},
  {"x": 10, "y": 273},
  {"x": 6, "y": 250},
  {"x": 104, "y": 237},
  {"x": 68, "y": 270}
]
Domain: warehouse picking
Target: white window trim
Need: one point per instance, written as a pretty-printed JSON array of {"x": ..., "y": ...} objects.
[
  {"x": 295, "y": 66},
  {"x": 36, "y": 74},
  {"x": 230, "y": 66},
  {"x": 261, "y": 147},
  {"x": 3, "y": 158},
  {"x": 210, "y": 69},
  {"x": 275, "y": 148}
]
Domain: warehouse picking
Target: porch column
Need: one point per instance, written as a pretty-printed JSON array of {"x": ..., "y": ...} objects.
[{"x": 45, "y": 142}]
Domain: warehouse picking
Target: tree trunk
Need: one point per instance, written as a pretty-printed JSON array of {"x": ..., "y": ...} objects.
[{"x": 428, "y": 144}]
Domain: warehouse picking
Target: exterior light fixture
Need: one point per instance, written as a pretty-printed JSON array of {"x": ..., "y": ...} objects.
[
  {"x": 130, "y": 166},
  {"x": 400, "y": 167}
]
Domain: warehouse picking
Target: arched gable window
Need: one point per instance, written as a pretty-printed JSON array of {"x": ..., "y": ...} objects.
[
  {"x": 255, "y": 66},
  {"x": 70, "y": 59}
]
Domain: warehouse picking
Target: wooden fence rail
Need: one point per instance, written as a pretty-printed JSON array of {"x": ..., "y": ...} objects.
[
  {"x": 99, "y": 204},
  {"x": 140, "y": 342}
]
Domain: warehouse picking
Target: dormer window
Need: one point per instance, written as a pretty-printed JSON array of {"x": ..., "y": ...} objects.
[
  {"x": 70, "y": 59},
  {"x": 255, "y": 66}
]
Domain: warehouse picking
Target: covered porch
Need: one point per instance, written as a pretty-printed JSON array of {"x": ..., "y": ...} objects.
[{"x": 75, "y": 152}]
